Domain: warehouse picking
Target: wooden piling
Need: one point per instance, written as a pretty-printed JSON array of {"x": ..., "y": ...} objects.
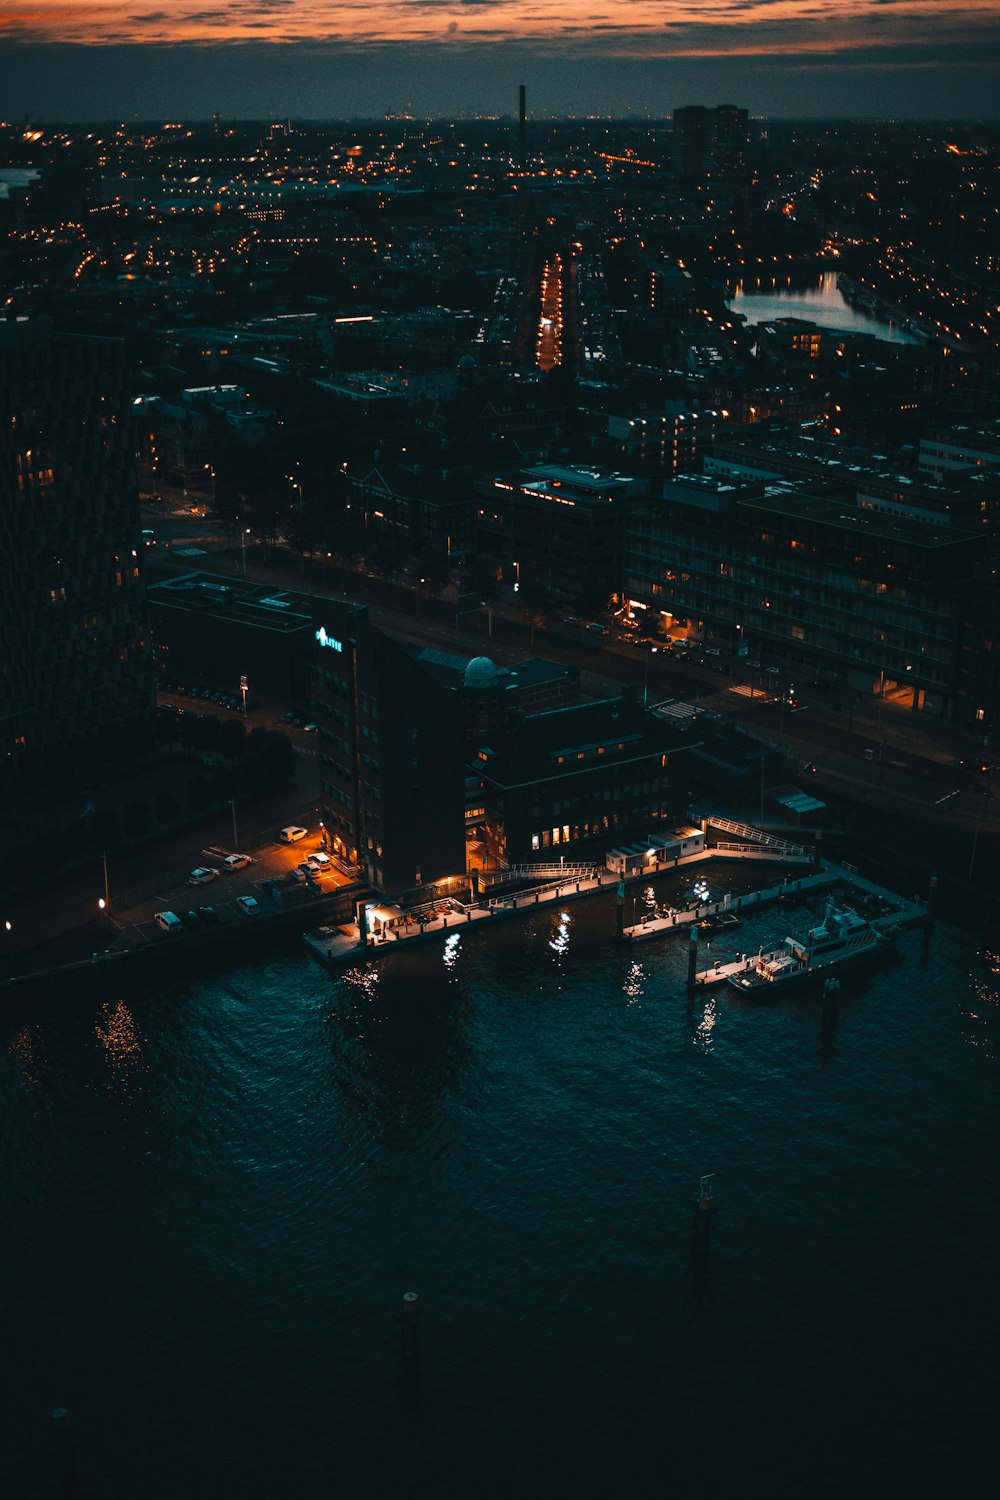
[
  {"x": 701, "y": 1228},
  {"x": 692, "y": 954},
  {"x": 409, "y": 1342},
  {"x": 67, "y": 1473},
  {"x": 620, "y": 911}
]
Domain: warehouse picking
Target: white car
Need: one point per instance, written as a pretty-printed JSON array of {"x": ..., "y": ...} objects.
[
  {"x": 236, "y": 861},
  {"x": 291, "y": 835},
  {"x": 169, "y": 921},
  {"x": 249, "y": 905},
  {"x": 202, "y": 875},
  {"x": 320, "y": 861}
]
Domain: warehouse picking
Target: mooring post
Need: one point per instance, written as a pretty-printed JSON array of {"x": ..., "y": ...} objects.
[
  {"x": 620, "y": 911},
  {"x": 692, "y": 954},
  {"x": 701, "y": 1231},
  {"x": 409, "y": 1343},
  {"x": 66, "y": 1469},
  {"x": 828, "y": 1016}
]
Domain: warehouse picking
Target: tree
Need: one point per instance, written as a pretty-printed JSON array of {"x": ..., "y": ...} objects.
[
  {"x": 232, "y": 739},
  {"x": 166, "y": 806},
  {"x": 138, "y": 818},
  {"x": 106, "y": 829},
  {"x": 434, "y": 567},
  {"x": 482, "y": 575},
  {"x": 199, "y": 793}
]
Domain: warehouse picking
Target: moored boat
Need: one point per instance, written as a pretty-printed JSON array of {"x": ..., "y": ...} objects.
[{"x": 842, "y": 941}]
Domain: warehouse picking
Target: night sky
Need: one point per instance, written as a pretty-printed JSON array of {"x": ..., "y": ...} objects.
[{"x": 164, "y": 59}]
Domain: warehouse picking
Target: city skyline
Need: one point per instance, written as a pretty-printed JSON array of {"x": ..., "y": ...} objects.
[{"x": 872, "y": 58}]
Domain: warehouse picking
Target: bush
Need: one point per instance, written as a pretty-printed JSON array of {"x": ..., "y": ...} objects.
[{"x": 166, "y": 807}]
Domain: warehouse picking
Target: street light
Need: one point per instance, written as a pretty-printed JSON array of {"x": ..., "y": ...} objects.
[{"x": 244, "y": 533}]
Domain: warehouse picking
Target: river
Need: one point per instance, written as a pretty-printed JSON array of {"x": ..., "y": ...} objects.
[
  {"x": 216, "y": 1190},
  {"x": 816, "y": 300}
]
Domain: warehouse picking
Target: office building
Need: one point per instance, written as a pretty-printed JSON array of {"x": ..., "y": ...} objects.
[
  {"x": 391, "y": 755},
  {"x": 76, "y": 660}
]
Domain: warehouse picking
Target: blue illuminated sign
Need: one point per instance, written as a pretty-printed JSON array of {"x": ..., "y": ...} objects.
[{"x": 328, "y": 640}]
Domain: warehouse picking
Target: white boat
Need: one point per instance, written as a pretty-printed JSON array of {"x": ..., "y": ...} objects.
[{"x": 843, "y": 940}]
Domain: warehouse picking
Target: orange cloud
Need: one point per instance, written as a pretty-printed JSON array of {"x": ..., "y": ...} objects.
[{"x": 674, "y": 28}]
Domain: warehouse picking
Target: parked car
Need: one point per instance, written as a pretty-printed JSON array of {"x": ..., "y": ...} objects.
[
  {"x": 320, "y": 861},
  {"x": 209, "y": 916},
  {"x": 248, "y": 905},
  {"x": 202, "y": 875},
  {"x": 190, "y": 918},
  {"x": 291, "y": 834},
  {"x": 236, "y": 861},
  {"x": 169, "y": 921},
  {"x": 311, "y": 727}
]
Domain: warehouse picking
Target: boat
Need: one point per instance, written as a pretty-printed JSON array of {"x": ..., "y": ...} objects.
[
  {"x": 843, "y": 940},
  {"x": 721, "y": 921}
]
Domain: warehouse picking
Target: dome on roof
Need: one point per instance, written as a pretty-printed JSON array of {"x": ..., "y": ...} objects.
[{"x": 481, "y": 673}]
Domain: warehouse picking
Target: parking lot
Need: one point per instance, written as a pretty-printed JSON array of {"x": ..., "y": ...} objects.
[{"x": 224, "y": 892}]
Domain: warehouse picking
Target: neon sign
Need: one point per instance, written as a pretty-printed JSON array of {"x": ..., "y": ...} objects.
[{"x": 328, "y": 640}]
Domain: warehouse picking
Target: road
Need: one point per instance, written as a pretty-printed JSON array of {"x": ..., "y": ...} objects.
[{"x": 919, "y": 756}]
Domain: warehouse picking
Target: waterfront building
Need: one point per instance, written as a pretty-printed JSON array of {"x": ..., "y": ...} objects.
[
  {"x": 76, "y": 660},
  {"x": 391, "y": 754},
  {"x": 571, "y": 783}
]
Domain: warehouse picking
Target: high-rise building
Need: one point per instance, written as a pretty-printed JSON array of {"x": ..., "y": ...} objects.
[
  {"x": 709, "y": 142},
  {"x": 75, "y": 659},
  {"x": 391, "y": 754},
  {"x": 522, "y": 125}
]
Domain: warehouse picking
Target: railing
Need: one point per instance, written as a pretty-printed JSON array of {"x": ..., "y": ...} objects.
[{"x": 755, "y": 836}]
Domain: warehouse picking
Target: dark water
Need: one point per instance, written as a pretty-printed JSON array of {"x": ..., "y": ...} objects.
[
  {"x": 215, "y": 1192},
  {"x": 816, "y": 301}
]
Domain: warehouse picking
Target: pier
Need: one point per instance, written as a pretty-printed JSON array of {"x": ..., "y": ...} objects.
[
  {"x": 382, "y": 925},
  {"x": 903, "y": 913}
]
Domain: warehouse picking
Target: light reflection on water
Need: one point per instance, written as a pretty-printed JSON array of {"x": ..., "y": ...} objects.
[
  {"x": 306, "y": 1146},
  {"x": 633, "y": 983},
  {"x": 559, "y": 942},
  {"x": 816, "y": 302}
]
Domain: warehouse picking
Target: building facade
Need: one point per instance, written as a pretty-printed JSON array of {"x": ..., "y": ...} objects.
[
  {"x": 570, "y": 784},
  {"x": 76, "y": 658},
  {"x": 391, "y": 755}
]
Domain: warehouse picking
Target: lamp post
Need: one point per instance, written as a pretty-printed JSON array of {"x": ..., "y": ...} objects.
[
  {"x": 236, "y": 840},
  {"x": 244, "y": 533},
  {"x": 106, "y": 903},
  {"x": 762, "y": 787},
  {"x": 881, "y": 695}
]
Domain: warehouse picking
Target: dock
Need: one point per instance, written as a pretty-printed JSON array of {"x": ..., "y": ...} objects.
[
  {"x": 390, "y": 926},
  {"x": 680, "y": 919},
  {"x": 902, "y": 913}
]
